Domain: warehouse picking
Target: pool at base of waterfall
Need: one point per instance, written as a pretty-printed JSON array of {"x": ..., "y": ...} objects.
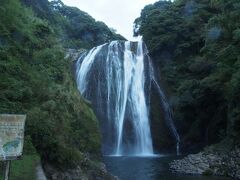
[{"x": 148, "y": 168}]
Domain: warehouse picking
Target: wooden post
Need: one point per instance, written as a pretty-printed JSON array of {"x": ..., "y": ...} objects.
[{"x": 7, "y": 171}]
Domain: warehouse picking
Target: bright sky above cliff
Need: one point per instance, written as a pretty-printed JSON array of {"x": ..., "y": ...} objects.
[{"x": 118, "y": 14}]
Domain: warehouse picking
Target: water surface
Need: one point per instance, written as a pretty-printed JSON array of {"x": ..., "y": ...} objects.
[{"x": 148, "y": 168}]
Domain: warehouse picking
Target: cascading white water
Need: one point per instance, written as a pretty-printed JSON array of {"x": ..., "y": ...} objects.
[
  {"x": 168, "y": 115},
  {"x": 114, "y": 78},
  {"x": 85, "y": 67}
]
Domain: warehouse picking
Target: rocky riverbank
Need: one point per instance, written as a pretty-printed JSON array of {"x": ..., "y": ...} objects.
[
  {"x": 88, "y": 170},
  {"x": 210, "y": 162}
]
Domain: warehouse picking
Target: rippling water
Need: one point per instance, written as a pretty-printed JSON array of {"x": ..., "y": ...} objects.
[{"x": 147, "y": 168}]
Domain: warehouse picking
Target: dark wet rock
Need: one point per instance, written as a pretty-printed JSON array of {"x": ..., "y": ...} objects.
[
  {"x": 210, "y": 163},
  {"x": 97, "y": 172},
  {"x": 74, "y": 54}
]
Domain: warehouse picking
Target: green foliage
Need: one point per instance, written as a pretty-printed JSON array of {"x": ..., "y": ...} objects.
[
  {"x": 36, "y": 79},
  {"x": 196, "y": 45},
  {"x": 25, "y": 167},
  {"x": 75, "y": 28}
]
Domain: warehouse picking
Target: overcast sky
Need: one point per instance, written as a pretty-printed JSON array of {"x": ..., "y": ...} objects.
[{"x": 118, "y": 14}]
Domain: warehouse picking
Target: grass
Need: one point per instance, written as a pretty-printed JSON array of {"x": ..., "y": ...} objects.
[{"x": 24, "y": 169}]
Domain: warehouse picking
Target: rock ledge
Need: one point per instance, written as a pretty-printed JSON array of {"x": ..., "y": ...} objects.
[{"x": 210, "y": 163}]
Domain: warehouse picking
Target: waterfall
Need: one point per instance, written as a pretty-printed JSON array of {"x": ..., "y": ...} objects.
[
  {"x": 116, "y": 78},
  {"x": 168, "y": 115}
]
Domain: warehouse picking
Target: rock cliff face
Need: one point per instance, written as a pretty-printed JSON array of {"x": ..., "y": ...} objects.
[
  {"x": 73, "y": 54},
  {"x": 210, "y": 162}
]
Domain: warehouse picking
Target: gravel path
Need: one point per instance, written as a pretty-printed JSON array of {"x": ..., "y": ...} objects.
[{"x": 40, "y": 173}]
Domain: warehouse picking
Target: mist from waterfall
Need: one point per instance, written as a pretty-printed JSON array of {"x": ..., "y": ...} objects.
[{"x": 116, "y": 78}]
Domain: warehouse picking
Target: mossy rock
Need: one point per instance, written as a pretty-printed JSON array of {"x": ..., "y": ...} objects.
[{"x": 208, "y": 172}]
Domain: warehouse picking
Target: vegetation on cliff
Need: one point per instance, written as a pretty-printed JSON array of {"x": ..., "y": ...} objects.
[
  {"x": 75, "y": 28},
  {"x": 36, "y": 79},
  {"x": 195, "y": 44}
]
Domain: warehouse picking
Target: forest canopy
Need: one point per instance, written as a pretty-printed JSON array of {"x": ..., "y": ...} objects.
[{"x": 196, "y": 46}]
